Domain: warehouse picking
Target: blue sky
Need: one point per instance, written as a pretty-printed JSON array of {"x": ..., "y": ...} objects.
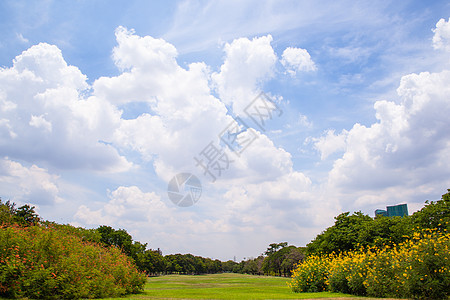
[{"x": 102, "y": 103}]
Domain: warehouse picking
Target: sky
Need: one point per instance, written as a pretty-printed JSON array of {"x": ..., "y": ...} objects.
[{"x": 282, "y": 114}]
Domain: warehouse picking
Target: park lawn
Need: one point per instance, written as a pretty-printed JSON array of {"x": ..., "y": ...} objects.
[{"x": 223, "y": 286}]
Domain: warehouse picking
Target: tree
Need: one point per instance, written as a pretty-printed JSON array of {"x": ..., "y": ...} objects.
[
  {"x": 435, "y": 214},
  {"x": 25, "y": 215},
  {"x": 291, "y": 258},
  {"x": 119, "y": 238},
  {"x": 342, "y": 236},
  {"x": 384, "y": 231},
  {"x": 7, "y": 211},
  {"x": 274, "y": 258}
]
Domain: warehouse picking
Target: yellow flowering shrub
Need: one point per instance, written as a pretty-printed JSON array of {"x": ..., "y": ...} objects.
[
  {"x": 418, "y": 268},
  {"x": 311, "y": 275}
]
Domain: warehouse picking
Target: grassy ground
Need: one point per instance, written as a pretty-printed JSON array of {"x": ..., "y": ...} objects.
[{"x": 224, "y": 286}]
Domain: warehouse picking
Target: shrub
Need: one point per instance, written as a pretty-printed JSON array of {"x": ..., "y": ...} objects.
[
  {"x": 39, "y": 262},
  {"x": 418, "y": 268},
  {"x": 348, "y": 271},
  {"x": 311, "y": 275}
]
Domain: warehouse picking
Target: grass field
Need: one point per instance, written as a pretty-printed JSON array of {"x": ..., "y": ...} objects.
[{"x": 223, "y": 286}]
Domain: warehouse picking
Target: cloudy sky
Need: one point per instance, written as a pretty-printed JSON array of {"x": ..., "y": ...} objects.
[{"x": 102, "y": 103}]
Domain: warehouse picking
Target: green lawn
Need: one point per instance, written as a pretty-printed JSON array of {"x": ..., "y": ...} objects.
[{"x": 223, "y": 286}]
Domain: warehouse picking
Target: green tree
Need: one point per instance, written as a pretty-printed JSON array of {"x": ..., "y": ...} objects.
[
  {"x": 384, "y": 231},
  {"x": 291, "y": 257},
  {"x": 274, "y": 258},
  {"x": 435, "y": 214},
  {"x": 229, "y": 265},
  {"x": 342, "y": 236},
  {"x": 7, "y": 211},
  {"x": 26, "y": 216}
]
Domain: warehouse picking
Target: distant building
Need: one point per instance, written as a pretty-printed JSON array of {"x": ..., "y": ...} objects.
[{"x": 399, "y": 210}]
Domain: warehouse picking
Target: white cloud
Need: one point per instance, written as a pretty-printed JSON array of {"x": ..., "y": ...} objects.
[
  {"x": 304, "y": 121},
  {"x": 441, "y": 38},
  {"x": 185, "y": 119},
  {"x": 40, "y": 122},
  {"x": 405, "y": 148},
  {"x": 47, "y": 119},
  {"x": 125, "y": 205},
  {"x": 330, "y": 143},
  {"x": 21, "y": 38},
  {"x": 247, "y": 65},
  {"x": 297, "y": 60},
  {"x": 31, "y": 185}
]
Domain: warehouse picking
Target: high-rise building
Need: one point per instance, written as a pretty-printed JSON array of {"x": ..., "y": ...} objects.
[{"x": 399, "y": 210}]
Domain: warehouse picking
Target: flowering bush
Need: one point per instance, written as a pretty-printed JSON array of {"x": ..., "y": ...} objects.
[
  {"x": 418, "y": 268},
  {"x": 312, "y": 274},
  {"x": 39, "y": 262}
]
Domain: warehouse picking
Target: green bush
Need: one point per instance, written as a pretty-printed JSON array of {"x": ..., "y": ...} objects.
[{"x": 42, "y": 262}]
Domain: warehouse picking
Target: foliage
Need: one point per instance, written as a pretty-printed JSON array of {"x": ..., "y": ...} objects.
[
  {"x": 351, "y": 232},
  {"x": 23, "y": 216},
  {"x": 343, "y": 236},
  {"x": 190, "y": 264},
  {"x": 56, "y": 265},
  {"x": 435, "y": 214},
  {"x": 417, "y": 268},
  {"x": 312, "y": 274}
]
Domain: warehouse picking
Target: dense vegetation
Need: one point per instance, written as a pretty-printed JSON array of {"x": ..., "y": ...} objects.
[
  {"x": 41, "y": 260},
  {"x": 381, "y": 257}
]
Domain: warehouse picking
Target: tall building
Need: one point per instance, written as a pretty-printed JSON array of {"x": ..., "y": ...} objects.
[{"x": 399, "y": 210}]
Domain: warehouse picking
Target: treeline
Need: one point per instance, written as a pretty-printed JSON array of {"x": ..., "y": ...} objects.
[{"x": 278, "y": 260}]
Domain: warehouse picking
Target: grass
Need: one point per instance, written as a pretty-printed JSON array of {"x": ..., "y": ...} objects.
[{"x": 224, "y": 286}]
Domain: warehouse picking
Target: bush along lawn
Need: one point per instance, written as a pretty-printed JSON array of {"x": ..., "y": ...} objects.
[
  {"x": 418, "y": 268},
  {"x": 41, "y": 262}
]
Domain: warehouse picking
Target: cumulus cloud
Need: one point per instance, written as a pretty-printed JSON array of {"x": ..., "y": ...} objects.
[
  {"x": 406, "y": 147},
  {"x": 50, "y": 121},
  {"x": 32, "y": 184},
  {"x": 330, "y": 143},
  {"x": 297, "y": 60},
  {"x": 441, "y": 38},
  {"x": 247, "y": 64},
  {"x": 185, "y": 116},
  {"x": 126, "y": 204}
]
